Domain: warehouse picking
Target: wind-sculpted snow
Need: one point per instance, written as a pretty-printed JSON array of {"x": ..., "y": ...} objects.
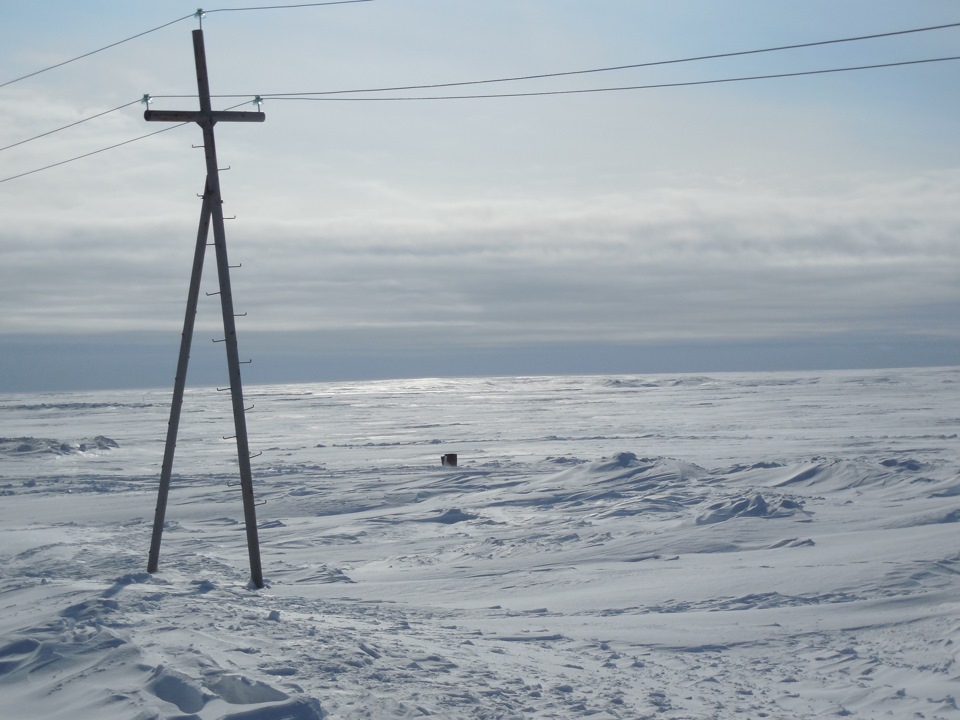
[
  {"x": 752, "y": 505},
  {"x": 18, "y": 447},
  {"x": 780, "y": 546}
]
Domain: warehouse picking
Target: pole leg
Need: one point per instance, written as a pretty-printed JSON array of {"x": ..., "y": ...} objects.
[
  {"x": 236, "y": 395},
  {"x": 186, "y": 340}
]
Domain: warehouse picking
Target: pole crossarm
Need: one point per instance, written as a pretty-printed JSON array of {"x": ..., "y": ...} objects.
[{"x": 198, "y": 116}]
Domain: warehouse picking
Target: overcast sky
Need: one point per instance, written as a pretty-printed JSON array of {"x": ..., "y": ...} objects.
[{"x": 799, "y": 222}]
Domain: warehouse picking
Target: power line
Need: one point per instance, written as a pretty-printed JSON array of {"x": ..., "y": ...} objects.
[
  {"x": 530, "y": 94},
  {"x": 290, "y": 96},
  {"x": 101, "y": 150},
  {"x": 197, "y": 14},
  {"x": 326, "y": 95},
  {"x": 302, "y": 96},
  {"x": 612, "y": 68},
  {"x": 286, "y": 7},
  {"x": 697, "y": 58},
  {"x": 95, "y": 152},
  {"x": 94, "y": 52},
  {"x": 73, "y": 124}
]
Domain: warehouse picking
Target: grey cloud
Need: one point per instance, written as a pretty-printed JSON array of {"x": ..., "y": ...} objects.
[
  {"x": 774, "y": 265},
  {"x": 694, "y": 262}
]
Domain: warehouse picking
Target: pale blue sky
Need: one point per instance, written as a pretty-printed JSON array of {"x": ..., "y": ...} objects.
[{"x": 798, "y": 222}]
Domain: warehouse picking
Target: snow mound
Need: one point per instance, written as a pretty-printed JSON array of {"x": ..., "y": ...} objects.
[
  {"x": 177, "y": 689},
  {"x": 628, "y": 472},
  {"x": 219, "y": 690},
  {"x": 450, "y": 517},
  {"x": 658, "y": 382},
  {"x": 748, "y": 506},
  {"x": 240, "y": 690},
  {"x": 833, "y": 475},
  {"x": 90, "y": 668},
  {"x": 299, "y": 709},
  {"x": 26, "y": 446}
]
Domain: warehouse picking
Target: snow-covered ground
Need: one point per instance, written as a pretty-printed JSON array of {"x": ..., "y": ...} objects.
[{"x": 727, "y": 546}]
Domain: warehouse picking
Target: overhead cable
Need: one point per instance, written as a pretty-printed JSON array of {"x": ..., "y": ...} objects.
[
  {"x": 326, "y": 95},
  {"x": 73, "y": 124},
  {"x": 95, "y": 152},
  {"x": 504, "y": 95},
  {"x": 655, "y": 63},
  {"x": 327, "y": 98},
  {"x": 109, "y": 147},
  {"x": 198, "y": 13},
  {"x": 94, "y": 52},
  {"x": 290, "y": 96},
  {"x": 287, "y": 7}
]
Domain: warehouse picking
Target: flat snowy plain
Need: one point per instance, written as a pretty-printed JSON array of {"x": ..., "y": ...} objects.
[{"x": 781, "y": 545}]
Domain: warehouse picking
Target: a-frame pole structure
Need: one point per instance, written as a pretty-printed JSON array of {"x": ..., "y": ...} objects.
[{"x": 211, "y": 213}]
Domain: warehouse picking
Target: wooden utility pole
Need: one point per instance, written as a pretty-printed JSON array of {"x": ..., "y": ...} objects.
[{"x": 212, "y": 209}]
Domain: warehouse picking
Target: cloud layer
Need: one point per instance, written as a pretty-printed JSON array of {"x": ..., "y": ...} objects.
[{"x": 672, "y": 264}]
